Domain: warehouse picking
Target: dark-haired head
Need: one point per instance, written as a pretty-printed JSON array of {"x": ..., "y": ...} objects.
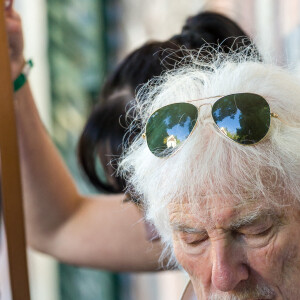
[
  {"x": 213, "y": 29},
  {"x": 102, "y": 139},
  {"x": 106, "y": 126},
  {"x": 140, "y": 66},
  {"x": 105, "y": 129}
]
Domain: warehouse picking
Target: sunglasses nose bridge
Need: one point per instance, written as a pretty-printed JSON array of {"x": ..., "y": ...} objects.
[
  {"x": 199, "y": 107},
  {"x": 203, "y": 117},
  {"x": 203, "y": 105}
]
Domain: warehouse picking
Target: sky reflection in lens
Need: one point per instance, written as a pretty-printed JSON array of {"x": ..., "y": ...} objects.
[
  {"x": 245, "y": 118},
  {"x": 169, "y": 126}
]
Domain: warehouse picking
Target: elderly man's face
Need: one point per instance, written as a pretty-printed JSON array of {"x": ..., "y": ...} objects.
[{"x": 239, "y": 252}]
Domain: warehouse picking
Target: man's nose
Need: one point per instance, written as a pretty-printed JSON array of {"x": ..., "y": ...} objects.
[{"x": 228, "y": 265}]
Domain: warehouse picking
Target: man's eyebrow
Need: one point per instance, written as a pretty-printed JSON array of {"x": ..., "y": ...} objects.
[
  {"x": 187, "y": 229},
  {"x": 253, "y": 217}
]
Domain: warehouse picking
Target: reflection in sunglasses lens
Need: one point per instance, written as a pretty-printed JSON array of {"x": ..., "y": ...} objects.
[
  {"x": 169, "y": 126},
  {"x": 245, "y": 117}
]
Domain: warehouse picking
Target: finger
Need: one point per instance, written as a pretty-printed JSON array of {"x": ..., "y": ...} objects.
[
  {"x": 9, "y": 11},
  {"x": 13, "y": 26},
  {"x": 8, "y": 4},
  {"x": 12, "y": 14}
]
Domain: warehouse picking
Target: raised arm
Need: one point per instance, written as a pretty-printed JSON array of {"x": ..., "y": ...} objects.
[{"x": 99, "y": 231}]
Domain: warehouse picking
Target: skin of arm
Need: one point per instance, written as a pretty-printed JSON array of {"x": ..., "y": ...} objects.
[{"x": 99, "y": 231}]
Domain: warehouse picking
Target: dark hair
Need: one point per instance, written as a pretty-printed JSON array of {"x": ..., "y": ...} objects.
[
  {"x": 106, "y": 126},
  {"x": 102, "y": 139},
  {"x": 139, "y": 67},
  {"x": 105, "y": 129},
  {"x": 213, "y": 29}
]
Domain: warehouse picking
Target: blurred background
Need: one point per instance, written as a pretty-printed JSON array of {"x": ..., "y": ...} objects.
[{"x": 74, "y": 45}]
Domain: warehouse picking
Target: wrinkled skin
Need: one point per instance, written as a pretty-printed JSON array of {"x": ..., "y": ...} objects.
[{"x": 232, "y": 252}]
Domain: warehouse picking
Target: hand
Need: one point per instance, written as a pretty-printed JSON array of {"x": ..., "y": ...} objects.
[
  {"x": 8, "y": 4},
  {"x": 15, "y": 39}
]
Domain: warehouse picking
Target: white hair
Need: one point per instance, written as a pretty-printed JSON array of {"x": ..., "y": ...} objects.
[{"x": 209, "y": 163}]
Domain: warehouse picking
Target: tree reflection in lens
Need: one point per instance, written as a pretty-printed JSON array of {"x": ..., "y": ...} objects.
[
  {"x": 169, "y": 126},
  {"x": 245, "y": 118}
]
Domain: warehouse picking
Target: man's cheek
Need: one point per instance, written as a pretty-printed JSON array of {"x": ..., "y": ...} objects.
[
  {"x": 291, "y": 262},
  {"x": 270, "y": 254},
  {"x": 262, "y": 259},
  {"x": 194, "y": 265},
  {"x": 187, "y": 262},
  {"x": 271, "y": 261}
]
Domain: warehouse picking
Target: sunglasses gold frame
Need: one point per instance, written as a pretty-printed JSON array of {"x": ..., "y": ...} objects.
[{"x": 272, "y": 115}]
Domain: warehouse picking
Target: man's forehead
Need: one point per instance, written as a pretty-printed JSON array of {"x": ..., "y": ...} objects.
[{"x": 221, "y": 214}]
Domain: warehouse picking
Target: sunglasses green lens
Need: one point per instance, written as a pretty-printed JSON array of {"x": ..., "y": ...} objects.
[
  {"x": 169, "y": 127},
  {"x": 244, "y": 118}
]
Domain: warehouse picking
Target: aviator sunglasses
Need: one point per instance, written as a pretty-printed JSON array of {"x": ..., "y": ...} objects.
[{"x": 244, "y": 118}]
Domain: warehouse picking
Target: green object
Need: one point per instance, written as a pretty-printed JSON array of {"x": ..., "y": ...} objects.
[
  {"x": 244, "y": 118},
  {"x": 22, "y": 78},
  {"x": 169, "y": 127},
  {"x": 87, "y": 284},
  {"x": 79, "y": 57}
]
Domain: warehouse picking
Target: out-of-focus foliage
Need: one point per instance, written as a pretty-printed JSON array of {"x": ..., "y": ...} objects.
[{"x": 79, "y": 54}]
